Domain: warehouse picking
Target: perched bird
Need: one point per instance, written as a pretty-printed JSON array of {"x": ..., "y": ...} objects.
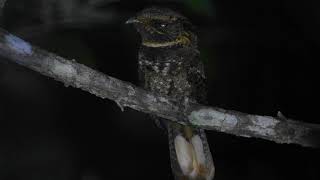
[{"x": 169, "y": 64}]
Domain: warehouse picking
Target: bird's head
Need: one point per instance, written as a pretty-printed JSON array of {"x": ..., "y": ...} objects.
[{"x": 161, "y": 27}]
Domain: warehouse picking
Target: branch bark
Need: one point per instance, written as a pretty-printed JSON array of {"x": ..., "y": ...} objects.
[{"x": 278, "y": 129}]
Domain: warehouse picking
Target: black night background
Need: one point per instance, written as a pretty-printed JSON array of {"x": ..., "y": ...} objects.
[{"x": 260, "y": 58}]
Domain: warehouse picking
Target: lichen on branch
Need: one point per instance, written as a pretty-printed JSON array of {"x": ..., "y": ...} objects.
[{"x": 277, "y": 129}]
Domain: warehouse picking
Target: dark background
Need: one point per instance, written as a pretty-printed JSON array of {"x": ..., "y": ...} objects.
[{"x": 260, "y": 58}]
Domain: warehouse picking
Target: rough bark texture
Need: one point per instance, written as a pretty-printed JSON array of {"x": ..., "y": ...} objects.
[{"x": 71, "y": 73}]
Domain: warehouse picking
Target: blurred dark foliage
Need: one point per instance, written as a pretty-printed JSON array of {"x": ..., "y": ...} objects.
[{"x": 260, "y": 57}]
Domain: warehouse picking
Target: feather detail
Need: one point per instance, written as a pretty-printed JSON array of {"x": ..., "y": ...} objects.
[
  {"x": 198, "y": 149},
  {"x": 191, "y": 158},
  {"x": 184, "y": 154}
]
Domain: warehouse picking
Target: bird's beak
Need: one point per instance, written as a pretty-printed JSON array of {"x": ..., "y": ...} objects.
[{"x": 132, "y": 20}]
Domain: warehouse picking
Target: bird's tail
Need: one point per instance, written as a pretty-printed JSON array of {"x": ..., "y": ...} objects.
[{"x": 190, "y": 155}]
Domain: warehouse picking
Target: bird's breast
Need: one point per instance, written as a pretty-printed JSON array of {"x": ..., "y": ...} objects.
[
  {"x": 165, "y": 71},
  {"x": 164, "y": 83}
]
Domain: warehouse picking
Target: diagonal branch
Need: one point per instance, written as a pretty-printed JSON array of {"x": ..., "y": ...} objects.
[{"x": 278, "y": 129}]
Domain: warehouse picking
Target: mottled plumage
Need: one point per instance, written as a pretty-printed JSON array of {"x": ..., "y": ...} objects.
[{"x": 169, "y": 64}]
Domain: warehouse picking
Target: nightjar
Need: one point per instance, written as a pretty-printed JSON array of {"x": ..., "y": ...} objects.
[{"x": 169, "y": 64}]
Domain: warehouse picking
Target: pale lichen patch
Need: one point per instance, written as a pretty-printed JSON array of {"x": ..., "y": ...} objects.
[
  {"x": 265, "y": 121},
  {"x": 63, "y": 69},
  {"x": 230, "y": 121},
  {"x": 206, "y": 117},
  {"x": 211, "y": 117},
  {"x": 19, "y": 45},
  {"x": 263, "y": 125}
]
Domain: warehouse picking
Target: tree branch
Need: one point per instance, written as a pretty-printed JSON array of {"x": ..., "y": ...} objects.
[{"x": 278, "y": 129}]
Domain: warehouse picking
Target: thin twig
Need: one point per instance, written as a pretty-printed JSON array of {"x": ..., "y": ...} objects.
[{"x": 277, "y": 129}]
